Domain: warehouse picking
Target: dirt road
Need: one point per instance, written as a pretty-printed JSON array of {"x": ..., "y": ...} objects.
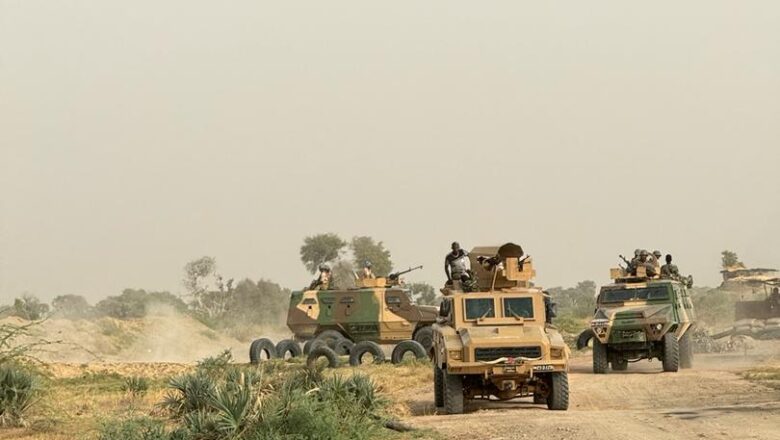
[{"x": 711, "y": 401}]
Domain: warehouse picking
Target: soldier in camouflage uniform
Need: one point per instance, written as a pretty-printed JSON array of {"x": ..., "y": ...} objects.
[
  {"x": 669, "y": 271},
  {"x": 324, "y": 281}
]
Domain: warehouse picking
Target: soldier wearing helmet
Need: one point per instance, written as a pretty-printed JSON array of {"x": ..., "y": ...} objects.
[
  {"x": 367, "y": 273},
  {"x": 324, "y": 280},
  {"x": 456, "y": 263}
]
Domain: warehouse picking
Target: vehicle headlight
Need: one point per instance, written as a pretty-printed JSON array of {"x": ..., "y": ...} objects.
[
  {"x": 658, "y": 327},
  {"x": 455, "y": 354},
  {"x": 556, "y": 353}
]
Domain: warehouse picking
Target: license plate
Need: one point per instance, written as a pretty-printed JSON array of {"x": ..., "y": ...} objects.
[
  {"x": 510, "y": 369},
  {"x": 543, "y": 368}
]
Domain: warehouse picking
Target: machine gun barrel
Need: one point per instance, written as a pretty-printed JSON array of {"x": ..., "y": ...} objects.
[{"x": 395, "y": 275}]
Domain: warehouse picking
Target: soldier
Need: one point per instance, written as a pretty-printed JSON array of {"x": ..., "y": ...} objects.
[
  {"x": 669, "y": 271},
  {"x": 367, "y": 273},
  {"x": 456, "y": 263},
  {"x": 325, "y": 279},
  {"x": 645, "y": 261}
]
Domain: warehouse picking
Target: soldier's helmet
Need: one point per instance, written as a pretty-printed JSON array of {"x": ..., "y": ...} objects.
[
  {"x": 324, "y": 268},
  {"x": 657, "y": 255},
  {"x": 643, "y": 253},
  {"x": 637, "y": 252},
  {"x": 367, "y": 264},
  {"x": 455, "y": 245}
]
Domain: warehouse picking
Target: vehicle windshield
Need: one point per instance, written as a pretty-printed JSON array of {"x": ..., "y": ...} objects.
[
  {"x": 646, "y": 293},
  {"x": 477, "y": 308},
  {"x": 518, "y": 307}
]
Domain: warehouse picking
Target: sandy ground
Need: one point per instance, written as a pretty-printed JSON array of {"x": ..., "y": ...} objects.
[{"x": 710, "y": 401}]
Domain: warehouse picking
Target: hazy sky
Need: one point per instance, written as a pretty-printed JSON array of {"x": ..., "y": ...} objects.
[{"x": 139, "y": 135}]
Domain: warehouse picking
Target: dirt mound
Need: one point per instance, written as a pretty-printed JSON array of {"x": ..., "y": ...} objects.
[{"x": 163, "y": 336}]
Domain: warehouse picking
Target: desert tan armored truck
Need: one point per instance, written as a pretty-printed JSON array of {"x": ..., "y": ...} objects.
[{"x": 493, "y": 336}]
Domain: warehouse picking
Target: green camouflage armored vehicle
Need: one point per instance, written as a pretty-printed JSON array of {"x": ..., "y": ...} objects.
[
  {"x": 494, "y": 337},
  {"x": 379, "y": 310},
  {"x": 641, "y": 317}
]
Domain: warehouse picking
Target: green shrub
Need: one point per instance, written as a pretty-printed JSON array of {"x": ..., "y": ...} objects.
[
  {"x": 143, "y": 428},
  {"x": 215, "y": 365},
  {"x": 135, "y": 385},
  {"x": 272, "y": 401},
  {"x": 18, "y": 392}
]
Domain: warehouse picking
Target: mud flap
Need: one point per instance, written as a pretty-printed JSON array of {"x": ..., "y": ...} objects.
[{"x": 584, "y": 338}]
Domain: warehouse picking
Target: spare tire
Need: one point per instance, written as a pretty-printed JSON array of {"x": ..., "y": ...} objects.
[
  {"x": 260, "y": 346},
  {"x": 405, "y": 347},
  {"x": 343, "y": 347},
  {"x": 331, "y": 337},
  {"x": 319, "y": 351},
  {"x": 361, "y": 348},
  {"x": 287, "y": 346},
  {"x": 584, "y": 338},
  {"x": 310, "y": 344},
  {"x": 425, "y": 337}
]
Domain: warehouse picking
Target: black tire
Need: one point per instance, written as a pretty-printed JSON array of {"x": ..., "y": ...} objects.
[
  {"x": 322, "y": 350},
  {"x": 453, "y": 393},
  {"x": 361, "y": 348},
  {"x": 260, "y": 346},
  {"x": 310, "y": 344},
  {"x": 619, "y": 364},
  {"x": 288, "y": 346},
  {"x": 686, "y": 350},
  {"x": 600, "y": 358},
  {"x": 558, "y": 399},
  {"x": 331, "y": 337},
  {"x": 584, "y": 338},
  {"x": 405, "y": 347},
  {"x": 343, "y": 347},
  {"x": 425, "y": 337},
  {"x": 671, "y": 359},
  {"x": 438, "y": 386}
]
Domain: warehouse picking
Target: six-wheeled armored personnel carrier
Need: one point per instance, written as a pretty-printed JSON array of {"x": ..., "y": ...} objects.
[{"x": 355, "y": 321}]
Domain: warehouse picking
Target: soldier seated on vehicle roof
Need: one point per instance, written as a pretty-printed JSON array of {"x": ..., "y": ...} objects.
[
  {"x": 324, "y": 280},
  {"x": 456, "y": 263},
  {"x": 367, "y": 273}
]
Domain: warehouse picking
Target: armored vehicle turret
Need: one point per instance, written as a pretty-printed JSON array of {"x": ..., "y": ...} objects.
[{"x": 493, "y": 336}]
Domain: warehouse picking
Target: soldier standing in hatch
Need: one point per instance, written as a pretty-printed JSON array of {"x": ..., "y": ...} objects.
[
  {"x": 367, "y": 273},
  {"x": 323, "y": 282},
  {"x": 456, "y": 263},
  {"x": 669, "y": 271}
]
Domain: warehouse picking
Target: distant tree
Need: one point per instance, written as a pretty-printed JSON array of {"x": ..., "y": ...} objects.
[
  {"x": 319, "y": 249},
  {"x": 343, "y": 274},
  {"x": 196, "y": 272},
  {"x": 71, "y": 306},
  {"x": 423, "y": 293},
  {"x": 135, "y": 303},
  {"x": 128, "y": 305},
  {"x": 730, "y": 259},
  {"x": 30, "y": 308},
  {"x": 261, "y": 302},
  {"x": 365, "y": 249},
  {"x": 578, "y": 301}
]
